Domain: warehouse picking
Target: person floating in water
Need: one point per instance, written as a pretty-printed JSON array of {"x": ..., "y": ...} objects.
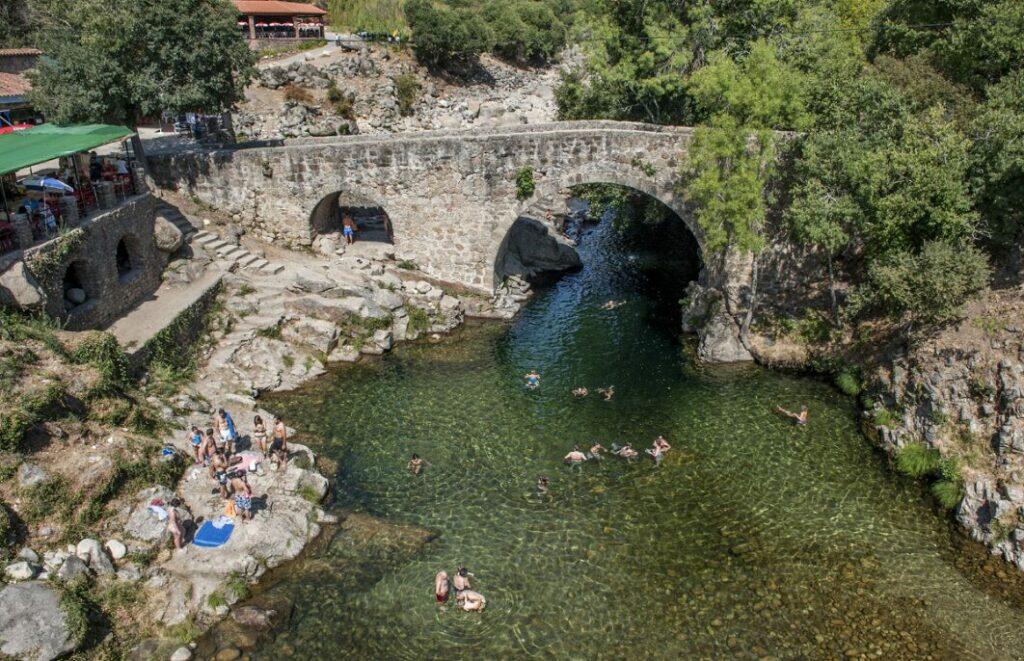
[
  {"x": 542, "y": 485},
  {"x": 576, "y": 457},
  {"x": 658, "y": 449},
  {"x": 611, "y": 305},
  {"x": 626, "y": 451},
  {"x": 470, "y": 600},
  {"x": 441, "y": 586},
  {"x": 596, "y": 450},
  {"x": 532, "y": 380},
  {"x": 416, "y": 464},
  {"x": 608, "y": 393},
  {"x": 580, "y": 392},
  {"x": 800, "y": 418}
]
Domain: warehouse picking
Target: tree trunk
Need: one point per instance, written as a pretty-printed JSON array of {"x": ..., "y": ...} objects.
[
  {"x": 745, "y": 328},
  {"x": 832, "y": 289}
]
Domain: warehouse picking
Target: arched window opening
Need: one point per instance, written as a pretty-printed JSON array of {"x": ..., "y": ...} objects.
[{"x": 124, "y": 259}]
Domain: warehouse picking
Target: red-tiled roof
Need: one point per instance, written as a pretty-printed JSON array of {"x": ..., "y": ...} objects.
[
  {"x": 19, "y": 52},
  {"x": 12, "y": 84},
  {"x": 277, "y": 8}
]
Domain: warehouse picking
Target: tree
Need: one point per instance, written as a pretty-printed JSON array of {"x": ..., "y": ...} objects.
[
  {"x": 441, "y": 34},
  {"x": 524, "y": 30},
  {"x": 730, "y": 169},
  {"x": 121, "y": 61},
  {"x": 17, "y": 23},
  {"x": 997, "y": 155}
]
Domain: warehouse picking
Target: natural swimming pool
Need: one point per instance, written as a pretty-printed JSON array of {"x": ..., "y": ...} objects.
[{"x": 752, "y": 539}]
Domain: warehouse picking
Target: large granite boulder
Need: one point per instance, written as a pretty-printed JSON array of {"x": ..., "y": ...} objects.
[
  {"x": 18, "y": 288},
  {"x": 32, "y": 623},
  {"x": 533, "y": 252},
  {"x": 167, "y": 236},
  {"x": 143, "y": 523},
  {"x": 720, "y": 341}
]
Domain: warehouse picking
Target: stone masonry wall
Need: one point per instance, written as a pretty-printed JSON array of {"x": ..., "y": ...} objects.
[
  {"x": 94, "y": 259},
  {"x": 451, "y": 195}
]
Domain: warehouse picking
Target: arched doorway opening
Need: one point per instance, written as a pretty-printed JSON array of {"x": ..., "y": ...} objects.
[
  {"x": 373, "y": 225},
  {"x": 127, "y": 258},
  {"x": 73, "y": 287}
]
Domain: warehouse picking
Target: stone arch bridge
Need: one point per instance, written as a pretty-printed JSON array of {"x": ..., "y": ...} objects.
[{"x": 451, "y": 196}]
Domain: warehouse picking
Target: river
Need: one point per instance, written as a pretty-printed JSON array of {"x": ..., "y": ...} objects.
[{"x": 754, "y": 538}]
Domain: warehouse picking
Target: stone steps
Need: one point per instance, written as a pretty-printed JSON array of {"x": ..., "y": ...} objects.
[{"x": 231, "y": 254}]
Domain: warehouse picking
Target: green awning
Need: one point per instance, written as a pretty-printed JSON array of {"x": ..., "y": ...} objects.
[{"x": 45, "y": 142}]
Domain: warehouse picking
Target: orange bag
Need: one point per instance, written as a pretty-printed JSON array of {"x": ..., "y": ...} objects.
[{"x": 229, "y": 509}]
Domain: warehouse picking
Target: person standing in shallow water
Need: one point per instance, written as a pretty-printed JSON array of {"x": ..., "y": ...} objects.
[
  {"x": 441, "y": 586},
  {"x": 416, "y": 464},
  {"x": 348, "y": 228}
]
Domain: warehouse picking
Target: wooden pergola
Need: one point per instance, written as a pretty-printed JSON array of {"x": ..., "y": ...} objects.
[{"x": 275, "y": 19}]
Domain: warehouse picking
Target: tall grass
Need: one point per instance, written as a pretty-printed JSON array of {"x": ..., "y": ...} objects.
[{"x": 368, "y": 15}]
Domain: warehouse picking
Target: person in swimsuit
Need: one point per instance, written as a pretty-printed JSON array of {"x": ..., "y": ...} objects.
[
  {"x": 279, "y": 444},
  {"x": 196, "y": 439},
  {"x": 226, "y": 427},
  {"x": 608, "y": 393},
  {"x": 219, "y": 471},
  {"x": 580, "y": 392},
  {"x": 259, "y": 434},
  {"x": 243, "y": 497},
  {"x": 532, "y": 380},
  {"x": 348, "y": 228},
  {"x": 627, "y": 452},
  {"x": 173, "y": 525},
  {"x": 441, "y": 586},
  {"x": 208, "y": 448},
  {"x": 596, "y": 450},
  {"x": 461, "y": 579},
  {"x": 416, "y": 464},
  {"x": 470, "y": 600},
  {"x": 800, "y": 418},
  {"x": 576, "y": 457},
  {"x": 542, "y": 485}
]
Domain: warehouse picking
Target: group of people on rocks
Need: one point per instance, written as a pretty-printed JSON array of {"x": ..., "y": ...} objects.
[
  {"x": 465, "y": 597},
  {"x": 216, "y": 450}
]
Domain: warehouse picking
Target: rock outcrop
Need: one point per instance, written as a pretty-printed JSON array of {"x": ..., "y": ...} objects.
[
  {"x": 32, "y": 623},
  {"x": 533, "y": 252}
]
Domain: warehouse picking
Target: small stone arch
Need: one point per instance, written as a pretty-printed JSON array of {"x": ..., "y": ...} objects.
[
  {"x": 128, "y": 258},
  {"x": 75, "y": 286},
  {"x": 373, "y": 222}
]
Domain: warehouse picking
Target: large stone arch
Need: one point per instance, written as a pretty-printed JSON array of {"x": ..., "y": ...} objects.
[
  {"x": 325, "y": 219},
  {"x": 554, "y": 187}
]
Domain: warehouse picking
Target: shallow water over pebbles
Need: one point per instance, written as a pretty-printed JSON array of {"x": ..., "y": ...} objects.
[{"x": 752, "y": 539}]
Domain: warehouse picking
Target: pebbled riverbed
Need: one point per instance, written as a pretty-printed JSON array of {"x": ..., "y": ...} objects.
[{"x": 752, "y": 539}]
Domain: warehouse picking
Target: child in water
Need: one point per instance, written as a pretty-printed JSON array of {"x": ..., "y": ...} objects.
[{"x": 532, "y": 380}]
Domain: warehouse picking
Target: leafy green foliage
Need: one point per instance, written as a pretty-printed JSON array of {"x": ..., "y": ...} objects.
[
  {"x": 342, "y": 104},
  {"x": 47, "y": 264},
  {"x": 524, "y": 29},
  {"x": 51, "y": 498},
  {"x": 407, "y": 87},
  {"x": 525, "y": 185},
  {"x": 442, "y": 34},
  {"x": 730, "y": 169},
  {"x": 122, "y": 60},
  {"x": 102, "y": 351},
  {"x": 76, "y": 603},
  {"x": 419, "y": 319},
  {"x": 367, "y": 15},
  {"x": 848, "y": 382}
]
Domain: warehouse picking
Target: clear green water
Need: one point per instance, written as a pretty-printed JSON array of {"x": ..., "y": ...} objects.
[{"x": 752, "y": 539}]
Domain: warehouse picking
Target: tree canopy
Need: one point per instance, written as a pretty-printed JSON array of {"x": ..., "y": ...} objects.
[
  {"x": 905, "y": 168},
  {"x": 123, "y": 60}
]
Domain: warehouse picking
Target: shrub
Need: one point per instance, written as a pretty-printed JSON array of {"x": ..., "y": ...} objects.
[
  {"x": 50, "y": 498},
  {"x": 296, "y": 94},
  {"x": 525, "y": 185},
  {"x": 442, "y": 34},
  {"x": 102, "y": 351},
  {"x": 916, "y": 460},
  {"x": 883, "y": 417},
  {"x": 848, "y": 382},
  {"x": 407, "y": 86},
  {"x": 408, "y": 265},
  {"x": 524, "y": 30},
  {"x": 342, "y": 104},
  {"x": 419, "y": 320},
  {"x": 949, "y": 493}
]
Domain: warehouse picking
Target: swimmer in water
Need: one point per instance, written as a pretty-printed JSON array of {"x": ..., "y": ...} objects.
[
  {"x": 461, "y": 579},
  {"x": 611, "y": 305},
  {"x": 470, "y": 600},
  {"x": 627, "y": 452},
  {"x": 532, "y": 380},
  {"x": 576, "y": 457},
  {"x": 441, "y": 586},
  {"x": 416, "y": 464},
  {"x": 542, "y": 485},
  {"x": 596, "y": 450},
  {"x": 658, "y": 449},
  {"x": 580, "y": 392},
  {"x": 608, "y": 393},
  {"x": 800, "y": 418}
]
